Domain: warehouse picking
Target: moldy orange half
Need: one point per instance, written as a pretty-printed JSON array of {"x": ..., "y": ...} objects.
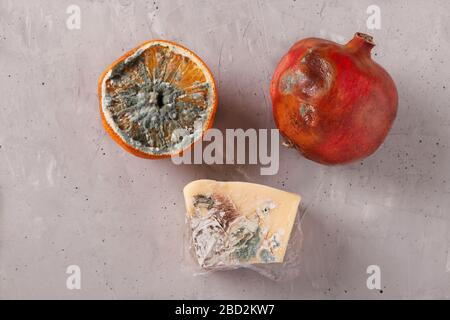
[{"x": 157, "y": 99}]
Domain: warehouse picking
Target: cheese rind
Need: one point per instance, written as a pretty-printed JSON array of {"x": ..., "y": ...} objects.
[{"x": 236, "y": 223}]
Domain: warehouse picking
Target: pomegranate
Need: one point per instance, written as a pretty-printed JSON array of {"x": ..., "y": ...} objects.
[{"x": 331, "y": 101}]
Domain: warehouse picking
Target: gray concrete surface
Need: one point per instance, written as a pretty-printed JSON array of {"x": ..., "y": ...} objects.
[{"x": 70, "y": 195}]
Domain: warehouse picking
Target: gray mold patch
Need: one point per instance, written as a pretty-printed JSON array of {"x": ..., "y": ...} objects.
[{"x": 222, "y": 236}]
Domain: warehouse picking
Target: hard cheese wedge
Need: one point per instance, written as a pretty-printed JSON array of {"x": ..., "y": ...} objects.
[{"x": 236, "y": 223}]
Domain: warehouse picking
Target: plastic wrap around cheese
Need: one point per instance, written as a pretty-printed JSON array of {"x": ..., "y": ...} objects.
[{"x": 238, "y": 223}]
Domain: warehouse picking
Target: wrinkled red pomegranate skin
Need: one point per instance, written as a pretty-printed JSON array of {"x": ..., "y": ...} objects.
[{"x": 331, "y": 101}]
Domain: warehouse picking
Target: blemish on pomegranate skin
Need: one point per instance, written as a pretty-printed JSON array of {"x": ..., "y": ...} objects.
[
  {"x": 290, "y": 80},
  {"x": 311, "y": 77},
  {"x": 309, "y": 51},
  {"x": 319, "y": 72},
  {"x": 308, "y": 114}
]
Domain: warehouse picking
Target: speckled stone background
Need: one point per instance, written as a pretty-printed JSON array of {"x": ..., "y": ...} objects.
[{"x": 69, "y": 195}]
